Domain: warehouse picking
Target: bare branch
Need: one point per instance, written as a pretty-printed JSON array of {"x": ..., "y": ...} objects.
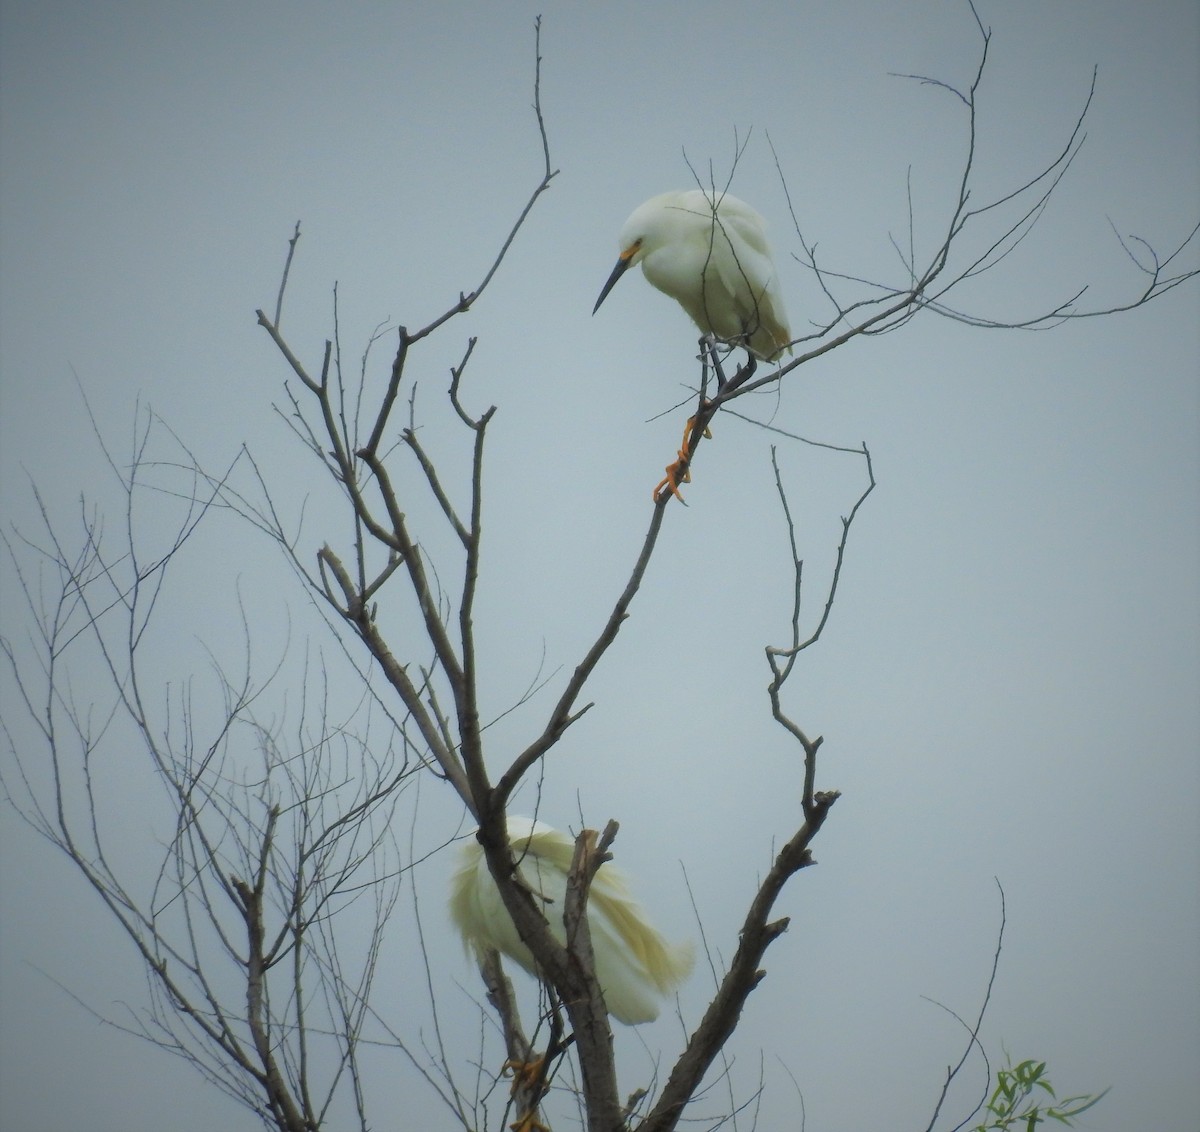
[
  {"x": 287, "y": 267},
  {"x": 973, "y": 1031},
  {"x": 466, "y": 300}
]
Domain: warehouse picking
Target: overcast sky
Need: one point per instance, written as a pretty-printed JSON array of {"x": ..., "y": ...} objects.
[{"x": 1008, "y": 686}]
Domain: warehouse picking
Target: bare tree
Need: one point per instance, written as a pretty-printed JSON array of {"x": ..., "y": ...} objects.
[
  {"x": 260, "y": 974},
  {"x": 257, "y": 972}
]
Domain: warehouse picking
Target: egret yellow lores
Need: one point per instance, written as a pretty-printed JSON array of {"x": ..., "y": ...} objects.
[
  {"x": 635, "y": 965},
  {"x": 709, "y": 252}
]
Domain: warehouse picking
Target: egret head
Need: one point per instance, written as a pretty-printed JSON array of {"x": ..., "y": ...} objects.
[{"x": 650, "y": 227}]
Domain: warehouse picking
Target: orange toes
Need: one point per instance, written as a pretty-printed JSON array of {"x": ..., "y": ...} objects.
[
  {"x": 677, "y": 473},
  {"x": 529, "y": 1123},
  {"x": 526, "y": 1074}
]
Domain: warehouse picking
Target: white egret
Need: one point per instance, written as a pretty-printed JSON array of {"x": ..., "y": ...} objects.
[
  {"x": 709, "y": 252},
  {"x": 635, "y": 965}
]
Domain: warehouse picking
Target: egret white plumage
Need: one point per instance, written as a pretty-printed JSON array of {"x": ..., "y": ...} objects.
[
  {"x": 635, "y": 965},
  {"x": 709, "y": 252}
]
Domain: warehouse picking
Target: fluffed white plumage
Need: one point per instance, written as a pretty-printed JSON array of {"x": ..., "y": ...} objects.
[
  {"x": 636, "y": 966},
  {"x": 709, "y": 252}
]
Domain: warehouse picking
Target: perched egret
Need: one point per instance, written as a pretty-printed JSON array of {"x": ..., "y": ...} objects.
[
  {"x": 708, "y": 252},
  {"x": 634, "y": 963}
]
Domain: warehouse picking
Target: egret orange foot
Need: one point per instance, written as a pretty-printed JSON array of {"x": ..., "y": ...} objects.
[
  {"x": 525, "y": 1074},
  {"x": 677, "y": 473},
  {"x": 529, "y": 1123}
]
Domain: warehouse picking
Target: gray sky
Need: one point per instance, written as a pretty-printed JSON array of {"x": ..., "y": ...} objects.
[{"x": 1008, "y": 686}]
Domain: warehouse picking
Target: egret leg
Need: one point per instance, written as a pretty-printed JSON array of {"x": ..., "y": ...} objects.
[
  {"x": 678, "y": 472},
  {"x": 709, "y": 355},
  {"x": 744, "y": 372}
]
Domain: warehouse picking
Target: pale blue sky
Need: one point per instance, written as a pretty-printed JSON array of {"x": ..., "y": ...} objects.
[{"x": 1009, "y": 684}]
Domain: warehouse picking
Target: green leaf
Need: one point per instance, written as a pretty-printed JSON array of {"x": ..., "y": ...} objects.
[{"x": 1010, "y": 1104}]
